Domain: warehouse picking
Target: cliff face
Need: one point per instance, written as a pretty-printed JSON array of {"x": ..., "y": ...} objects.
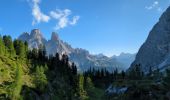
[
  {"x": 34, "y": 39},
  {"x": 155, "y": 52}
]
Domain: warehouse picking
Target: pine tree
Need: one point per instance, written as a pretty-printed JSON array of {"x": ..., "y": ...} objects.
[
  {"x": 167, "y": 79},
  {"x": 34, "y": 53},
  {"x": 115, "y": 74},
  {"x": 40, "y": 78},
  {"x": 82, "y": 93},
  {"x": 2, "y": 46},
  {"x": 89, "y": 84},
  {"x": 20, "y": 48},
  {"x": 26, "y": 46},
  {"x": 123, "y": 74},
  {"x": 136, "y": 72},
  {"x": 9, "y": 45},
  {"x": 74, "y": 69},
  {"x": 150, "y": 72},
  {"x": 42, "y": 53},
  {"x": 102, "y": 72}
]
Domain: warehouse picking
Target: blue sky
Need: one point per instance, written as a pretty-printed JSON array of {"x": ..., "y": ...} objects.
[{"x": 100, "y": 26}]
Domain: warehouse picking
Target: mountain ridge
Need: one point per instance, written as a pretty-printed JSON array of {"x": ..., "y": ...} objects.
[
  {"x": 81, "y": 57},
  {"x": 155, "y": 51}
]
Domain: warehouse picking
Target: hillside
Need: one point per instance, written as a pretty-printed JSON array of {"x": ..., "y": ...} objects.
[
  {"x": 31, "y": 75},
  {"x": 13, "y": 75}
]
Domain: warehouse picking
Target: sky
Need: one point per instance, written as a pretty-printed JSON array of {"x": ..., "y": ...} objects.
[{"x": 99, "y": 26}]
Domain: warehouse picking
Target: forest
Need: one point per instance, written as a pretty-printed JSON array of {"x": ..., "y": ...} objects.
[{"x": 31, "y": 74}]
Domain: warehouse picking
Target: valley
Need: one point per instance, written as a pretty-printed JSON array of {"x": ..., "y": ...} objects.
[{"x": 35, "y": 67}]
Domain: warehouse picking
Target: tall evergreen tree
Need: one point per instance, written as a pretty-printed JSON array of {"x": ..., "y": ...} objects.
[
  {"x": 167, "y": 79},
  {"x": 115, "y": 74},
  {"x": 89, "y": 84},
  {"x": 9, "y": 45},
  {"x": 20, "y": 48},
  {"x": 42, "y": 53},
  {"x": 2, "y": 46},
  {"x": 40, "y": 78},
  {"x": 82, "y": 93},
  {"x": 74, "y": 69},
  {"x": 123, "y": 74},
  {"x": 34, "y": 53}
]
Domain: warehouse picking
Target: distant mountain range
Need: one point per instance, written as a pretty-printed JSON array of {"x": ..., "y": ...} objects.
[
  {"x": 155, "y": 52},
  {"x": 81, "y": 57}
]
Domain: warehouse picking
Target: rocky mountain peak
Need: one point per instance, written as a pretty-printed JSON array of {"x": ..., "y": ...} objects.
[
  {"x": 81, "y": 57},
  {"x": 24, "y": 36},
  {"x": 155, "y": 52},
  {"x": 36, "y": 33},
  {"x": 54, "y": 36}
]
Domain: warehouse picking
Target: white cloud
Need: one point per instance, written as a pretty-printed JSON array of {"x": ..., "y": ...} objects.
[
  {"x": 154, "y": 6},
  {"x": 36, "y": 1},
  {"x": 37, "y": 14},
  {"x": 62, "y": 17},
  {"x": 75, "y": 19}
]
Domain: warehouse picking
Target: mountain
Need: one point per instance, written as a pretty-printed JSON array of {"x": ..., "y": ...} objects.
[
  {"x": 35, "y": 39},
  {"x": 84, "y": 60},
  {"x": 81, "y": 57},
  {"x": 155, "y": 52},
  {"x": 56, "y": 45},
  {"x": 125, "y": 58}
]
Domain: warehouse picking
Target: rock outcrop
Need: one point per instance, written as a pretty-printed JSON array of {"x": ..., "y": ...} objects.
[{"x": 155, "y": 52}]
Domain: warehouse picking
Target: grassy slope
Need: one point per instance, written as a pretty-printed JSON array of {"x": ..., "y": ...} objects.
[{"x": 12, "y": 76}]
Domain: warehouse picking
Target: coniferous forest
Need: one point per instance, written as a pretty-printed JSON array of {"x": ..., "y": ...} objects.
[{"x": 32, "y": 75}]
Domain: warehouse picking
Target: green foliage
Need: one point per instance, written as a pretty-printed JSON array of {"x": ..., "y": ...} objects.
[
  {"x": 34, "y": 76},
  {"x": 20, "y": 48},
  {"x": 10, "y": 78},
  {"x": 2, "y": 47},
  {"x": 136, "y": 73},
  {"x": 82, "y": 93},
  {"x": 115, "y": 74},
  {"x": 123, "y": 74},
  {"x": 92, "y": 92},
  {"x": 89, "y": 84},
  {"x": 167, "y": 79},
  {"x": 9, "y": 46},
  {"x": 17, "y": 85},
  {"x": 34, "y": 54},
  {"x": 40, "y": 78}
]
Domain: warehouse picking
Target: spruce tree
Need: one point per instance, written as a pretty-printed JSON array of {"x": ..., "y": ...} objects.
[
  {"x": 9, "y": 45},
  {"x": 20, "y": 48},
  {"x": 40, "y": 79},
  {"x": 167, "y": 79},
  {"x": 115, "y": 74},
  {"x": 123, "y": 74},
  {"x": 82, "y": 93},
  {"x": 89, "y": 84},
  {"x": 2, "y": 46}
]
